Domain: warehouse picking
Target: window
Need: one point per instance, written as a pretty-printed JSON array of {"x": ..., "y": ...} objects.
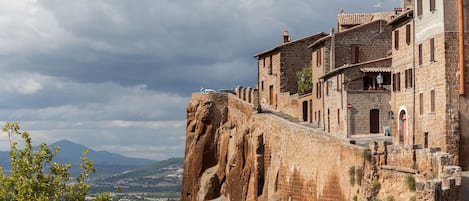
[
  {"x": 394, "y": 82},
  {"x": 327, "y": 88},
  {"x": 338, "y": 83},
  {"x": 425, "y": 140},
  {"x": 318, "y": 89},
  {"x": 319, "y": 116},
  {"x": 318, "y": 57},
  {"x": 432, "y": 50},
  {"x": 263, "y": 60},
  {"x": 421, "y": 103},
  {"x": 398, "y": 81},
  {"x": 407, "y": 34},
  {"x": 354, "y": 54},
  {"x": 419, "y": 8},
  {"x": 432, "y": 5},
  {"x": 432, "y": 102},
  {"x": 338, "y": 117},
  {"x": 408, "y": 78},
  {"x": 270, "y": 65},
  {"x": 420, "y": 55},
  {"x": 262, "y": 85},
  {"x": 396, "y": 39}
]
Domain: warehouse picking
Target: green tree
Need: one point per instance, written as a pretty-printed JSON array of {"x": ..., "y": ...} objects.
[
  {"x": 34, "y": 176},
  {"x": 305, "y": 81}
]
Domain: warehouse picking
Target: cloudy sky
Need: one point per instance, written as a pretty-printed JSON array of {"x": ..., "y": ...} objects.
[{"x": 117, "y": 75}]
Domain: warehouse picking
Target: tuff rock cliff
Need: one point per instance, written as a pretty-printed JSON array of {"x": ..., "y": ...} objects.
[{"x": 234, "y": 153}]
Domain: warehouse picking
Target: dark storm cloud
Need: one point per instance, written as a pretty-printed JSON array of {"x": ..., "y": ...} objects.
[
  {"x": 164, "y": 44},
  {"x": 118, "y": 74}
]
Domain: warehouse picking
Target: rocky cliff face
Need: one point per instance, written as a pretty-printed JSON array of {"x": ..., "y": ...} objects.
[{"x": 234, "y": 153}]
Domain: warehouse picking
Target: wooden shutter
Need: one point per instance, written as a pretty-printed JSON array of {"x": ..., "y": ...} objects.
[
  {"x": 411, "y": 78},
  {"x": 432, "y": 102},
  {"x": 432, "y": 5},
  {"x": 432, "y": 49},
  {"x": 419, "y": 8},
  {"x": 421, "y": 103},
  {"x": 420, "y": 55},
  {"x": 354, "y": 54},
  {"x": 406, "y": 78},
  {"x": 398, "y": 82},
  {"x": 396, "y": 39},
  {"x": 317, "y": 58},
  {"x": 407, "y": 34},
  {"x": 393, "y": 82}
]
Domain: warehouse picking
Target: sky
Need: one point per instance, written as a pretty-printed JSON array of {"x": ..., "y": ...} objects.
[{"x": 117, "y": 75}]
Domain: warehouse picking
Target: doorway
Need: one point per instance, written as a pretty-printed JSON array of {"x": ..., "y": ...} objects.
[
  {"x": 402, "y": 127},
  {"x": 305, "y": 110},
  {"x": 374, "y": 121}
]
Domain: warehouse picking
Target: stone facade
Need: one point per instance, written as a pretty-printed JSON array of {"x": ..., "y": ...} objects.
[
  {"x": 236, "y": 153},
  {"x": 277, "y": 69},
  {"x": 358, "y": 55},
  {"x": 435, "y": 113}
]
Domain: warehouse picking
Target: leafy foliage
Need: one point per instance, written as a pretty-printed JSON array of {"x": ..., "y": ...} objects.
[
  {"x": 410, "y": 181},
  {"x": 352, "y": 175},
  {"x": 305, "y": 80},
  {"x": 34, "y": 176}
]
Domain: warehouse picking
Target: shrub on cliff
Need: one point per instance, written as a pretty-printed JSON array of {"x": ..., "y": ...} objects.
[{"x": 34, "y": 176}]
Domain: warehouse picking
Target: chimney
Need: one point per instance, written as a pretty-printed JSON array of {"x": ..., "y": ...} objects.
[
  {"x": 286, "y": 37},
  {"x": 397, "y": 11}
]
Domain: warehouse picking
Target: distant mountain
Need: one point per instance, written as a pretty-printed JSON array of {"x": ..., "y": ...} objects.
[
  {"x": 71, "y": 152},
  {"x": 106, "y": 163},
  {"x": 160, "y": 176}
]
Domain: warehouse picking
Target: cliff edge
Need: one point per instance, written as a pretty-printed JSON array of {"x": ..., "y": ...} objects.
[{"x": 234, "y": 153}]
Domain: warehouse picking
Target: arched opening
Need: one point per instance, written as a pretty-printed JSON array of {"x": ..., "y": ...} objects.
[{"x": 402, "y": 127}]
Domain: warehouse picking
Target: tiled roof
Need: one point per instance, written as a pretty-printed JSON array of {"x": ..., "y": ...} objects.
[
  {"x": 362, "y": 18},
  {"x": 317, "y": 36}
]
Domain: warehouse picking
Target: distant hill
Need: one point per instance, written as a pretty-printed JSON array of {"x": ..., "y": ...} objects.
[
  {"x": 71, "y": 152},
  {"x": 106, "y": 163},
  {"x": 159, "y": 176}
]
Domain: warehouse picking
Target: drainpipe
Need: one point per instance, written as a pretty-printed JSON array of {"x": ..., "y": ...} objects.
[{"x": 461, "y": 47}]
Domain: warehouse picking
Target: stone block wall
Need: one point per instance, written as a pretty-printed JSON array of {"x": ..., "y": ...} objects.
[
  {"x": 373, "y": 40},
  {"x": 363, "y": 102},
  {"x": 249, "y": 95}
]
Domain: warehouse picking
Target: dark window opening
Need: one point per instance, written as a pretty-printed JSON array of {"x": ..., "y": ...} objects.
[
  {"x": 374, "y": 121},
  {"x": 432, "y": 100},
  {"x": 318, "y": 58},
  {"x": 421, "y": 103},
  {"x": 426, "y": 140},
  {"x": 396, "y": 39},
  {"x": 432, "y": 5},
  {"x": 354, "y": 54},
  {"x": 420, "y": 55},
  {"x": 419, "y": 8},
  {"x": 432, "y": 49},
  {"x": 407, "y": 34}
]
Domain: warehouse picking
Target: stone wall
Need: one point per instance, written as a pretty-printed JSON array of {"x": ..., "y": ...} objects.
[
  {"x": 235, "y": 153},
  {"x": 363, "y": 102}
]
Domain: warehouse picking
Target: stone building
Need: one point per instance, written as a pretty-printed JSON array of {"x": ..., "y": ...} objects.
[
  {"x": 429, "y": 108},
  {"x": 277, "y": 68},
  {"x": 348, "y": 100}
]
